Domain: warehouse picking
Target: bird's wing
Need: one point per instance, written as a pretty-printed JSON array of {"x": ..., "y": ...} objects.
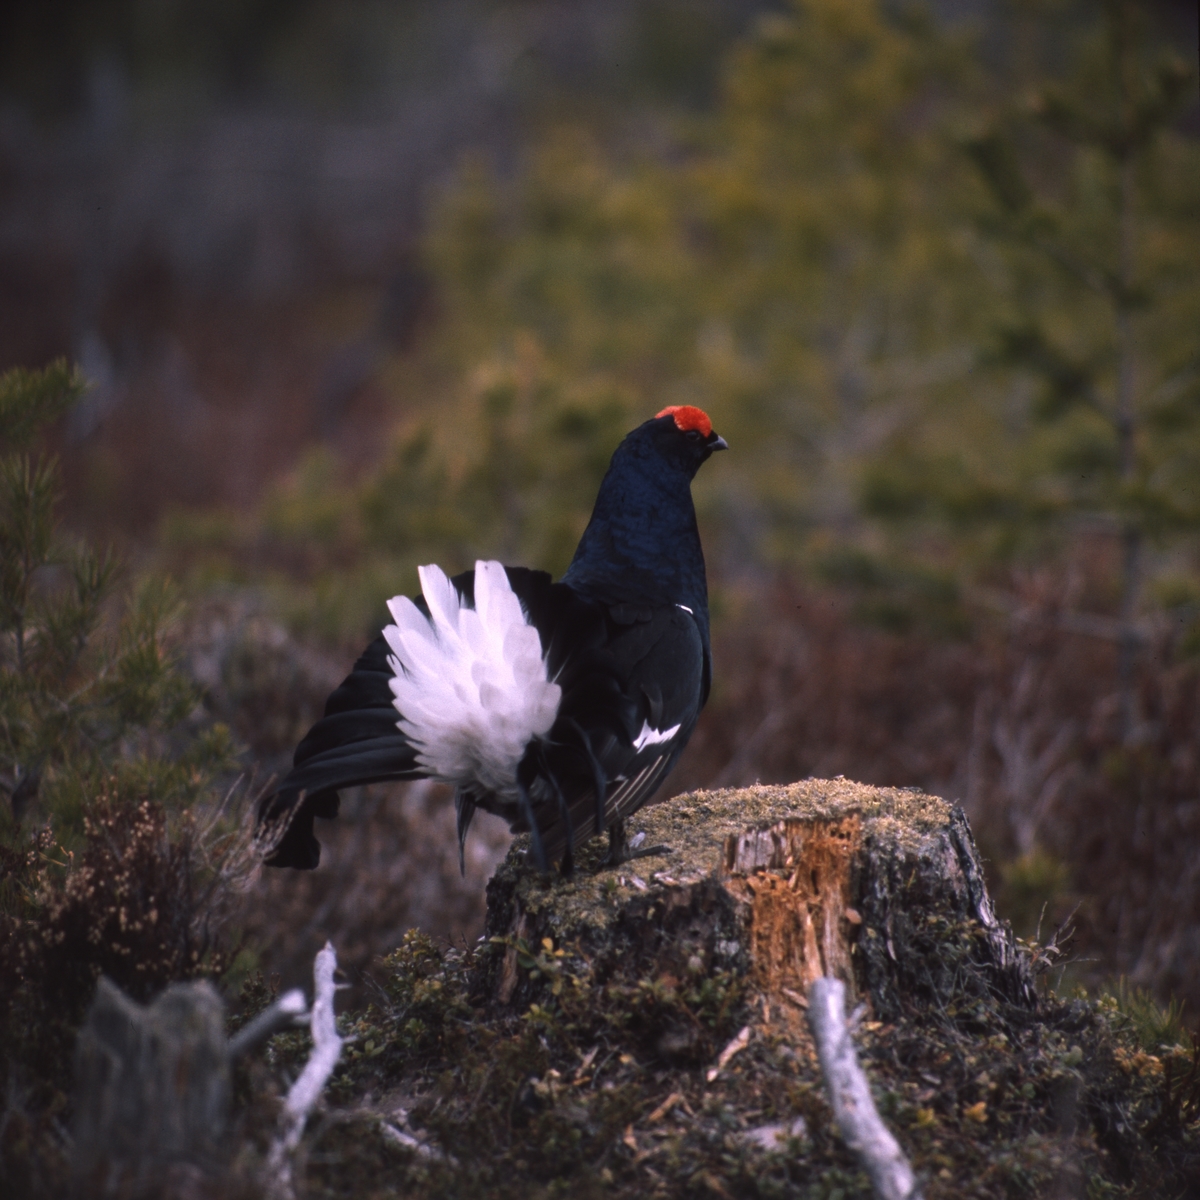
[{"x": 635, "y": 729}]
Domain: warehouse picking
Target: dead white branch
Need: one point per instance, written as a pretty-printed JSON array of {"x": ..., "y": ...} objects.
[
  {"x": 290, "y": 1009},
  {"x": 850, "y": 1095},
  {"x": 306, "y": 1091}
]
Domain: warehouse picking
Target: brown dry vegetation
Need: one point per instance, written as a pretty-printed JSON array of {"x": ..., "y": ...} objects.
[
  {"x": 221, "y": 374},
  {"x": 1007, "y": 704},
  {"x": 388, "y": 864},
  {"x": 146, "y": 901}
]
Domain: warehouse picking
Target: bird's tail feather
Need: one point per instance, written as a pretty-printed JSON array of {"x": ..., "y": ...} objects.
[
  {"x": 310, "y": 790},
  {"x": 357, "y": 741}
]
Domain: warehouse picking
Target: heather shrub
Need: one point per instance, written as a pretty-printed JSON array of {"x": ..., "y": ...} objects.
[{"x": 135, "y": 903}]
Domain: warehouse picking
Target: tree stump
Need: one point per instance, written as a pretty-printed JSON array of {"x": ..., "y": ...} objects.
[
  {"x": 881, "y": 888},
  {"x": 153, "y": 1087},
  {"x": 152, "y": 1092}
]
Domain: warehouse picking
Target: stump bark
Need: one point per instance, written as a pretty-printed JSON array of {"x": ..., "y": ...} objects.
[{"x": 881, "y": 888}]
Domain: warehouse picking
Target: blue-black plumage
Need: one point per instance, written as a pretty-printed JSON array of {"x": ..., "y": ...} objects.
[{"x": 562, "y": 747}]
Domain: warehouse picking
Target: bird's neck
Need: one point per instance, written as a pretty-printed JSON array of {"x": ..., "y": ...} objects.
[{"x": 642, "y": 544}]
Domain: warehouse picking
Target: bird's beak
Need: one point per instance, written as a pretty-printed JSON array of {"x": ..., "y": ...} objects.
[{"x": 719, "y": 444}]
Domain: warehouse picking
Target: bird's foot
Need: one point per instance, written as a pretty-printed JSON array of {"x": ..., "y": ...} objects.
[
  {"x": 644, "y": 852},
  {"x": 621, "y": 850}
]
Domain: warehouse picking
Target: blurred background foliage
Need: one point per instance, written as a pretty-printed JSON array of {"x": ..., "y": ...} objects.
[
  {"x": 354, "y": 286},
  {"x": 943, "y": 308},
  {"x": 361, "y": 286}
]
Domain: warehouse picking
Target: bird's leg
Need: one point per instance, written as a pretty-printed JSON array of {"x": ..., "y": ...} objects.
[
  {"x": 464, "y": 810},
  {"x": 599, "y": 780},
  {"x": 618, "y": 845},
  {"x": 535, "y": 834},
  {"x": 568, "y": 862}
]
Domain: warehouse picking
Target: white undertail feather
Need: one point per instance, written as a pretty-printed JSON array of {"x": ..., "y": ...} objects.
[
  {"x": 653, "y": 737},
  {"x": 470, "y": 684}
]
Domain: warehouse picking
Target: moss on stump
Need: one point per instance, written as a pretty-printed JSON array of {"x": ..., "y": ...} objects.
[{"x": 780, "y": 885}]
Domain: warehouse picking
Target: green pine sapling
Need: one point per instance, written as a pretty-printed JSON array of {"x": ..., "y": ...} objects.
[{"x": 87, "y": 694}]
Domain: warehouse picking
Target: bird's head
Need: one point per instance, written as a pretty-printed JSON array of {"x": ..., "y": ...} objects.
[
  {"x": 683, "y": 435},
  {"x": 642, "y": 544}
]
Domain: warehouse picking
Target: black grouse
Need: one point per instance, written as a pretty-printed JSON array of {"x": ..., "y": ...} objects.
[{"x": 561, "y": 707}]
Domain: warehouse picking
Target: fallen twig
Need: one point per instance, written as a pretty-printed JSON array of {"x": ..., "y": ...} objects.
[
  {"x": 850, "y": 1096},
  {"x": 739, "y": 1043}
]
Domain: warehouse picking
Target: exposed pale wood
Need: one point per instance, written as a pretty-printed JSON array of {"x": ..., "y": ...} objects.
[
  {"x": 304, "y": 1094},
  {"x": 290, "y": 1009},
  {"x": 797, "y": 878}
]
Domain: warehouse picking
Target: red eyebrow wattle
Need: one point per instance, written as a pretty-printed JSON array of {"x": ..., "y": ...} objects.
[{"x": 687, "y": 417}]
